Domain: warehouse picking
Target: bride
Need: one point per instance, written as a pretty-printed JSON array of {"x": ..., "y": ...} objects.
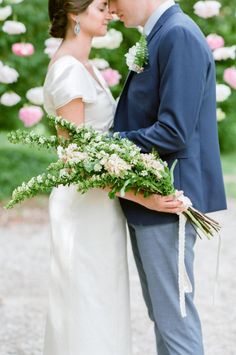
[{"x": 89, "y": 310}]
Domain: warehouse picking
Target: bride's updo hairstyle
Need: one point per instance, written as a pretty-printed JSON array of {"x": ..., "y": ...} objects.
[{"x": 58, "y": 11}]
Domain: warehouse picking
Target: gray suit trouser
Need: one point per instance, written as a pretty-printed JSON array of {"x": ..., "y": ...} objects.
[{"x": 155, "y": 251}]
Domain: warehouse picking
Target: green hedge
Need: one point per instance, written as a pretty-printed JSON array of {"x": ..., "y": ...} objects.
[{"x": 18, "y": 164}]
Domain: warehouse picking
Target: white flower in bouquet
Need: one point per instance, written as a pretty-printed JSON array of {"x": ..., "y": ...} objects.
[
  {"x": 100, "y": 63},
  {"x": 150, "y": 162},
  {"x": 10, "y": 99},
  {"x": 220, "y": 115},
  {"x": 13, "y": 27},
  {"x": 35, "y": 95},
  {"x": 51, "y": 46},
  {"x": 225, "y": 53},
  {"x": 222, "y": 92},
  {"x": 5, "y": 12},
  {"x": 71, "y": 154},
  {"x": 111, "y": 40},
  {"x": 206, "y": 9},
  {"x": 116, "y": 165},
  {"x": 8, "y": 75}
]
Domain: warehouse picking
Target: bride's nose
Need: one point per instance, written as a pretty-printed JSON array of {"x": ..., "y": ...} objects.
[{"x": 109, "y": 16}]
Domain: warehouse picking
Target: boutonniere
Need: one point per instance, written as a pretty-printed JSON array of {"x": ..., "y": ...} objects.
[{"x": 137, "y": 56}]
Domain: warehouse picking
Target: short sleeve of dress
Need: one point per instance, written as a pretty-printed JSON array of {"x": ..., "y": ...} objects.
[{"x": 70, "y": 80}]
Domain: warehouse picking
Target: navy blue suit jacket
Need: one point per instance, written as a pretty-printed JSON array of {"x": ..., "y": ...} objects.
[{"x": 171, "y": 106}]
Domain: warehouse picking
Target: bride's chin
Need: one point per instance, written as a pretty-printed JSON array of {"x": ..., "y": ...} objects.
[{"x": 101, "y": 33}]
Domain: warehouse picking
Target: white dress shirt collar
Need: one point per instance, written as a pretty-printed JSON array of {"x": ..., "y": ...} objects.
[{"x": 156, "y": 15}]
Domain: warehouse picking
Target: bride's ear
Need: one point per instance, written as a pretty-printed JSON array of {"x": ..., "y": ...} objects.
[{"x": 73, "y": 18}]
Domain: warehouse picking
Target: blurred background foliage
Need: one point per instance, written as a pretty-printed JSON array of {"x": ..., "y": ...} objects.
[{"x": 19, "y": 163}]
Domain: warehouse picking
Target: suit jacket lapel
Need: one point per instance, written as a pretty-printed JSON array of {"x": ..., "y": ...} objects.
[{"x": 172, "y": 10}]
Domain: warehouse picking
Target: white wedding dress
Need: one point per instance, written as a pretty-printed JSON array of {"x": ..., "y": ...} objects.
[{"x": 89, "y": 310}]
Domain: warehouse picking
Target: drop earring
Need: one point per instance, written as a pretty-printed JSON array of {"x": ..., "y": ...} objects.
[{"x": 77, "y": 27}]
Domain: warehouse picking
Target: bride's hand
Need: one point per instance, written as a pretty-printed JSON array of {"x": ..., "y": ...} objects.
[
  {"x": 167, "y": 204},
  {"x": 155, "y": 202}
]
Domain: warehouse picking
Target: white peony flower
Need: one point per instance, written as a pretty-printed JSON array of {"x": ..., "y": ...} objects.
[
  {"x": 10, "y": 99},
  {"x": 14, "y": 27},
  {"x": 51, "y": 46},
  {"x": 222, "y": 92},
  {"x": 99, "y": 63},
  {"x": 225, "y": 53},
  {"x": 35, "y": 95},
  {"x": 7, "y": 75},
  {"x": 5, "y": 12},
  {"x": 111, "y": 40},
  {"x": 220, "y": 114},
  {"x": 206, "y": 9}
]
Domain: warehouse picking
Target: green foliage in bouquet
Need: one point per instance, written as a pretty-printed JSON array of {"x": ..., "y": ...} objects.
[{"x": 89, "y": 159}]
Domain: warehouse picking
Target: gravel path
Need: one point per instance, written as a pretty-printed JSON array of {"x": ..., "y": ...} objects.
[{"x": 24, "y": 265}]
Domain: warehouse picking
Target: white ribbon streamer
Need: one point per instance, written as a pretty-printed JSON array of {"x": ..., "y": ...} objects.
[{"x": 185, "y": 285}]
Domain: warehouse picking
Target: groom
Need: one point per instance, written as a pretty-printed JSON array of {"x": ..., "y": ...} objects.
[{"x": 171, "y": 106}]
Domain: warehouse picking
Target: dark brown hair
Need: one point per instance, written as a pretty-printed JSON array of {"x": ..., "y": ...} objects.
[{"x": 58, "y": 11}]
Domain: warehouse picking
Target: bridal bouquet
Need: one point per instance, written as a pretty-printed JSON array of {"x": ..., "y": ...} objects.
[{"x": 89, "y": 159}]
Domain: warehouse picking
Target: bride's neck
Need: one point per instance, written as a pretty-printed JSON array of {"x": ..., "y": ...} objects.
[{"x": 79, "y": 46}]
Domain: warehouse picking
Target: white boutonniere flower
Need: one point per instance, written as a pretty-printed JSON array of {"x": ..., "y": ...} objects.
[{"x": 137, "y": 56}]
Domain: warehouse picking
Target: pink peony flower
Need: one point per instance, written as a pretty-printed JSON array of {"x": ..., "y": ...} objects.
[
  {"x": 23, "y": 49},
  {"x": 112, "y": 77},
  {"x": 230, "y": 77},
  {"x": 30, "y": 115},
  {"x": 214, "y": 41}
]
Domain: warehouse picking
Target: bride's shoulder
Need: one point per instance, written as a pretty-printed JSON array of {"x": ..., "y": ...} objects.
[
  {"x": 62, "y": 62},
  {"x": 67, "y": 79},
  {"x": 66, "y": 69}
]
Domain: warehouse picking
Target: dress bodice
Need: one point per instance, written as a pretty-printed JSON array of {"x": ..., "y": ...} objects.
[{"x": 68, "y": 79}]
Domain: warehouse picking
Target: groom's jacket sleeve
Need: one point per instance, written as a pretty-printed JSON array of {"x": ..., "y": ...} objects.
[{"x": 183, "y": 62}]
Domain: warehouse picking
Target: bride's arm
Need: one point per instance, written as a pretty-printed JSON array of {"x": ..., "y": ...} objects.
[
  {"x": 73, "y": 112},
  {"x": 155, "y": 202}
]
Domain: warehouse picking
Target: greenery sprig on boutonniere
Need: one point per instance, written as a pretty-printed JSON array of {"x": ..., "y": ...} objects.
[{"x": 137, "y": 56}]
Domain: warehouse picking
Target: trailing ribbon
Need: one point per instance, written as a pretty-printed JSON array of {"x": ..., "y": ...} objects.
[{"x": 184, "y": 282}]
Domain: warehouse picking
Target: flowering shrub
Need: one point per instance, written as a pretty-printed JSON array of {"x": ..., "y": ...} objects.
[
  {"x": 26, "y": 49},
  {"x": 217, "y": 21}
]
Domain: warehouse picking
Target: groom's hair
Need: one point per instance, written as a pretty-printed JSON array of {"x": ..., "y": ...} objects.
[{"x": 58, "y": 11}]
